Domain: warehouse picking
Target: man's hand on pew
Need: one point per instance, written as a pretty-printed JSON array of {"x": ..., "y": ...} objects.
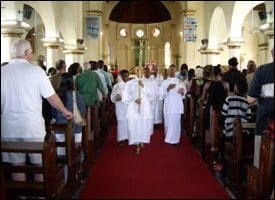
[{"x": 67, "y": 114}]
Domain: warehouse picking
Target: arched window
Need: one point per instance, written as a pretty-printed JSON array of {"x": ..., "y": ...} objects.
[{"x": 167, "y": 55}]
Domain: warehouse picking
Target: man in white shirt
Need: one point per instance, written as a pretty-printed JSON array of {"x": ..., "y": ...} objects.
[
  {"x": 139, "y": 112},
  {"x": 95, "y": 68},
  {"x": 22, "y": 87},
  {"x": 173, "y": 93},
  {"x": 121, "y": 108}
]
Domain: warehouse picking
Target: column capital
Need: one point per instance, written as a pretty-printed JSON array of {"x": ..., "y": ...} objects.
[
  {"x": 74, "y": 51},
  {"x": 187, "y": 12},
  {"x": 269, "y": 31},
  {"x": 13, "y": 30},
  {"x": 234, "y": 43},
  {"x": 53, "y": 43},
  {"x": 95, "y": 12},
  {"x": 206, "y": 51},
  {"x": 263, "y": 46}
]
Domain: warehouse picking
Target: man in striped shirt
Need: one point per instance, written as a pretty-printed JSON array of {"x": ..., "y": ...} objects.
[{"x": 236, "y": 105}]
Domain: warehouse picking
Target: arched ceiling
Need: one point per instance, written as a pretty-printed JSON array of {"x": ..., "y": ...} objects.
[{"x": 140, "y": 12}]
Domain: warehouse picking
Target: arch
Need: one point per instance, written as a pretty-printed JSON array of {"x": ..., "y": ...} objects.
[
  {"x": 217, "y": 29},
  {"x": 240, "y": 11},
  {"x": 46, "y": 12},
  {"x": 167, "y": 55}
]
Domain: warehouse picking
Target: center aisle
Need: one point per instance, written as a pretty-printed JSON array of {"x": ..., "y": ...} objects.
[{"x": 160, "y": 171}]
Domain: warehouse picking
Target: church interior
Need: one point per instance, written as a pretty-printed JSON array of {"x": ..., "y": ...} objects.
[{"x": 143, "y": 34}]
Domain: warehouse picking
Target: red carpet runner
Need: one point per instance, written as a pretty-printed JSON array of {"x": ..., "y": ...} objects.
[{"x": 160, "y": 171}]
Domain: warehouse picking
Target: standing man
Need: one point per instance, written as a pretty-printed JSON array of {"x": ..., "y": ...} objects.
[
  {"x": 139, "y": 113},
  {"x": 60, "y": 66},
  {"x": 95, "y": 68},
  {"x": 262, "y": 90},
  {"x": 22, "y": 87},
  {"x": 88, "y": 84},
  {"x": 121, "y": 108},
  {"x": 173, "y": 93}
]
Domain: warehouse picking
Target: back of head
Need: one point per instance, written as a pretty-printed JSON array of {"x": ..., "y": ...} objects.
[
  {"x": 94, "y": 65},
  {"x": 216, "y": 70},
  {"x": 100, "y": 64},
  {"x": 73, "y": 69},
  {"x": 52, "y": 71},
  {"x": 191, "y": 73},
  {"x": 184, "y": 66},
  {"x": 60, "y": 64},
  {"x": 18, "y": 48},
  {"x": 233, "y": 62},
  {"x": 105, "y": 68},
  {"x": 86, "y": 66}
]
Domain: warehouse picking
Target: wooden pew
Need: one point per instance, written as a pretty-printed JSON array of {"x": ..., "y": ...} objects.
[
  {"x": 238, "y": 155},
  {"x": 260, "y": 181},
  {"x": 212, "y": 141},
  {"x": 72, "y": 157},
  {"x": 53, "y": 175},
  {"x": 200, "y": 130},
  {"x": 88, "y": 142},
  {"x": 186, "y": 114},
  {"x": 96, "y": 129}
]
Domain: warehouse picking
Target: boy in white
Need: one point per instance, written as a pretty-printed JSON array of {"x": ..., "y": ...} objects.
[
  {"x": 121, "y": 108},
  {"x": 139, "y": 112},
  {"x": 173, "y": 93}
]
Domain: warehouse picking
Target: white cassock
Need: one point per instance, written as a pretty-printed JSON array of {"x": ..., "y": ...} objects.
[
  {"x": 154, "y": 95},
  {"x": 121, "y": 109},
  {"x": 172, "y": 110},
  {"x": 158, "y": 113},
  {"x": 139, "y": 123}
]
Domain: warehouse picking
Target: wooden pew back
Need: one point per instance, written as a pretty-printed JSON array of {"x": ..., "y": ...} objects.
[
  {"x": 260, "y": 181},
  {"x": 238, "y": 155},
  {"x": 53, "y": 177}
]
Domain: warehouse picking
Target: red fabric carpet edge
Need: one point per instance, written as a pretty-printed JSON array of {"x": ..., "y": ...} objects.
[{"x": 161, "y": 171}]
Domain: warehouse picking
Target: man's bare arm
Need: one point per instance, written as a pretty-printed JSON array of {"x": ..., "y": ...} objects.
[{"x": 251, "y": 100}]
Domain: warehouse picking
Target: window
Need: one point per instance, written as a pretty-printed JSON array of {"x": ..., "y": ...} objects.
[
  {"x": 156, "y": 32},
  {"x": 139, "y": 33},
  {"x": 167, "y": 55},
  {"x": 123, "y": 32}
]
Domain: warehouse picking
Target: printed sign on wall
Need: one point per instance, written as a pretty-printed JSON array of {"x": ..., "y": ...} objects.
[
  {"x": 93, "y": 26},
  {"x": 190, "y": 29}
]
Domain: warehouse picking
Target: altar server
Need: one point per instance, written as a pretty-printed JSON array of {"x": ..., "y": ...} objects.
[
  {"x": 173, "y": 92},
  {"x": 139, "y": 112},
  {"x": 121, "y": 108}
]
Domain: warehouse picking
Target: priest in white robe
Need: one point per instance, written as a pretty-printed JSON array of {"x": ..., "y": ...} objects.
[
  {"x": 121, "y": 108},
  {"x": 154, "y": 94},
  {"x": 173, "y": 92},
  {"x": 139, "y": 112}
]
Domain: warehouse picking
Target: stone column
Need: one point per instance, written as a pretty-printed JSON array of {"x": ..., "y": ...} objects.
[
  {"x": 270, "y": 39},
  {"x": 209, "y": 57},
  {"x": 263, "y": 48},
  {"x": 9, "y": 34},
  {"x": 52, "y": 45},
  {"x": 234, "y": 46},
  {"x": 74, "y": 55}
]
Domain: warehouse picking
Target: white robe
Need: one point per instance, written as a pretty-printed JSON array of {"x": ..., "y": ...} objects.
[
  {"x": 154, "y": 95},
  {"x": 121, "y": 109},
  {"x": 158, "y": 113},
  {"x": 138, "y": 122},
  {"x": 173, "y": 108}
]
